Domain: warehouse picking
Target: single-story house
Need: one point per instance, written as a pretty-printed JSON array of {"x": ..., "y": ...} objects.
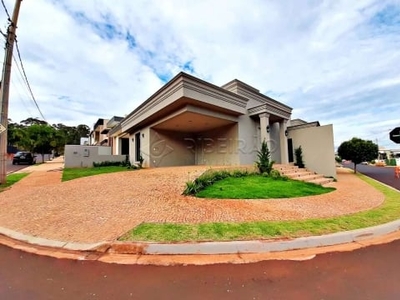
[{"x": 192, "y": 122}]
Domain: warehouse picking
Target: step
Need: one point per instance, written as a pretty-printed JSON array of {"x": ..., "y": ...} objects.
[
  {"x": 309, "y": 177},
  {"x": 297, "y": 173},
  {"x": 302, "y": 174},
  {"x": 322, "y": 181}
]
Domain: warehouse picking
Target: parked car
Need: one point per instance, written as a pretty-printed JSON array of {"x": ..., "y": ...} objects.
[{"x": 24, "y": 157}]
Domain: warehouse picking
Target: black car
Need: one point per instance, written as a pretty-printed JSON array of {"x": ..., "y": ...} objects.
[{"x": 24, "y": 157}]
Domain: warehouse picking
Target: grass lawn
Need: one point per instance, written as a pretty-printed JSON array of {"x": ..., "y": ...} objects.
[
  {"x": 166, "y": 232},
  {"x": 260, "y": 187},
  {"x": 73, "y": 173},
  {"x": 11, "y": 179}
]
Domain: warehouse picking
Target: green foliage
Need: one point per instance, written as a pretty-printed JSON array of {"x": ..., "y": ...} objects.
[
  {"x": 141, "y": 160},
  {"x": 239, "y": 173},
  {"x": 256, "y": 186},
  {"x": 338, "y": 159},
  {"x": 124, "y": 163},
  {"x": 209, "y": 177},
  {"x": 275, "y": 174},
  {"x": 358, "y": 150},
  {"x": 390, "y": 162},
  {"x": 11, "y": 179},
  {"x": 264, "y": 163},
  {"x": 298, "y": 152},
  {"x": 73, "y": 173},
  {"x": 38, "y": 136}
]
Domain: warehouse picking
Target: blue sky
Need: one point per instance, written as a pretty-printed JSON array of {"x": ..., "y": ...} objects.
[{"x": 332, "y": 61}]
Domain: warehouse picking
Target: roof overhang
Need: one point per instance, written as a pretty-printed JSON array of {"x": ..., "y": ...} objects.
[
  {"x": 181, "y": 91},
  {"x": 194, "y": 119}
]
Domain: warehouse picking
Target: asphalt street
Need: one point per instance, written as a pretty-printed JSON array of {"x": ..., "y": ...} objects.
[
  {"x": 13, "y": 168},
  {"x": 368, "y": 273},
  {"x": 382, "y": 174}
]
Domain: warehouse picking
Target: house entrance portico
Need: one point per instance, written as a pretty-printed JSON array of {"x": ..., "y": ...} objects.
[{"x": 273, "y": 130}]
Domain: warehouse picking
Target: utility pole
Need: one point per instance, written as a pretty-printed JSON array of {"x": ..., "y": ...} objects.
[{"x": 4, "y": 92}]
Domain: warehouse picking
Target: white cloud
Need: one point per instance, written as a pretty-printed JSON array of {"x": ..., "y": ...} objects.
[{"x": 332, "y": 61}]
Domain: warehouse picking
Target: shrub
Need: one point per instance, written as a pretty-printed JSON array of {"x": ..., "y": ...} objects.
[
  {"x": 107, "y": 163},
  {"x": 264, "y": 164},
  {"x": 275, "y": 174},
  {"x": 141, "y": 160},
  {"x": 390, "y": 162},
  {"x": 298, "y": 152},
  {"x": 239, "y": 173}
]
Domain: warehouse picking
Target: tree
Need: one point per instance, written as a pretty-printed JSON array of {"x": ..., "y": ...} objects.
[
  {"x": 358, "y": 150},
  {"x": 40, "y": 138},
  {"x": 264, "y": 163},
  {"x": 36, "y": 135},
  {"x": 33, "y": 121},
  {"x": 83, "y": 130}
]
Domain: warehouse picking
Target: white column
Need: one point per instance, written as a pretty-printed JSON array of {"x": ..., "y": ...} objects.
[
  {"x": 283, "y": 141},
  {"x": 117, "y": 146},
  {"x": 265, "y": 128}
]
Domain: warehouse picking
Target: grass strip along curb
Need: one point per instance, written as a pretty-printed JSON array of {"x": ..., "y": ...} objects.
[
  {"x": 11, "y": 179},
  {"x": 388, "y": 211}
]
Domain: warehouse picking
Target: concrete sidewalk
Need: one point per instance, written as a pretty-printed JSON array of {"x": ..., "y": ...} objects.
[{"x": 50, "y": 165}]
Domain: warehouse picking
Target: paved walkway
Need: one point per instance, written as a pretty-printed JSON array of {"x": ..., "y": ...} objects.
[{"x": 102, "y": 208}]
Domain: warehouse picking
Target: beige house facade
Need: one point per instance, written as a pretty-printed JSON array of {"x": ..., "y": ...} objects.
[{"x": 193, "y": 122}]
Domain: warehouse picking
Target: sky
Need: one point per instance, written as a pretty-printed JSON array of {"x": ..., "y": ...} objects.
[{"x": 336, "y": 62}]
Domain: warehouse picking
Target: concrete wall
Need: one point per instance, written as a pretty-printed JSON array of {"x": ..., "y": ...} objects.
[
  {"x": 77, "y": 156},
  {"x": 172, "y": 148},
  {"x": 218, "y": 146},
  {"x": 318, "y": 148},
  {"x": 169, "y": 148}
]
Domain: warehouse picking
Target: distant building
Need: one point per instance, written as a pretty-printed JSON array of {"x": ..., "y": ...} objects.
[{"x": 84, "y": 141}]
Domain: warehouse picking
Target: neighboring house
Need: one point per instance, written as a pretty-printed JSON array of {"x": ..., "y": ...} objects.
[
  {"x": 192, "y": 122},
  {"x": 97, "y": 136},
  {"x": 120, "y": 145}
]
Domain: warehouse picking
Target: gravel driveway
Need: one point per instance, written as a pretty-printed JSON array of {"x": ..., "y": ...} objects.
[{"x": 103, "y": 207}]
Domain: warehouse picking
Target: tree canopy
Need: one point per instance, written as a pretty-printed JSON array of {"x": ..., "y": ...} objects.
[
  {"x": 358, "y": 150},
  {"x": 38, "y": 136}
]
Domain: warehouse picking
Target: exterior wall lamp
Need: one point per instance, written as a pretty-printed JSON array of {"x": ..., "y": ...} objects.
[
  {"x": 133, "y": 139},
  {"x": 286, "y": 132},
  {"x": 268, "y": 128}
]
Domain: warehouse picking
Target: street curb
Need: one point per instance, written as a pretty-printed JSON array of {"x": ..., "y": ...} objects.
[
  {"x": 260, "y": 246},
  {"x": 210, "y": 248},
  {"x": 33, "y": 240}
]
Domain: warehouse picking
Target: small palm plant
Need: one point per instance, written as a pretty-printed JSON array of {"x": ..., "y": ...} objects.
[{"x": 264, "y": 163}]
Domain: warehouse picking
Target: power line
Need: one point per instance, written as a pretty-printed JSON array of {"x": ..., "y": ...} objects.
[
  {"x": 21, "y": 97},
  {"x": 21, "y": 82},
  {"x": 26, "y": 80},
  {"x": 5, "y": 8}
]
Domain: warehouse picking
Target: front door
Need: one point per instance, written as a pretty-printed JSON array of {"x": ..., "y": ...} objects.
[
  {"x": 290, "y": 150},
  {"x": 137, "y": 146}
]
